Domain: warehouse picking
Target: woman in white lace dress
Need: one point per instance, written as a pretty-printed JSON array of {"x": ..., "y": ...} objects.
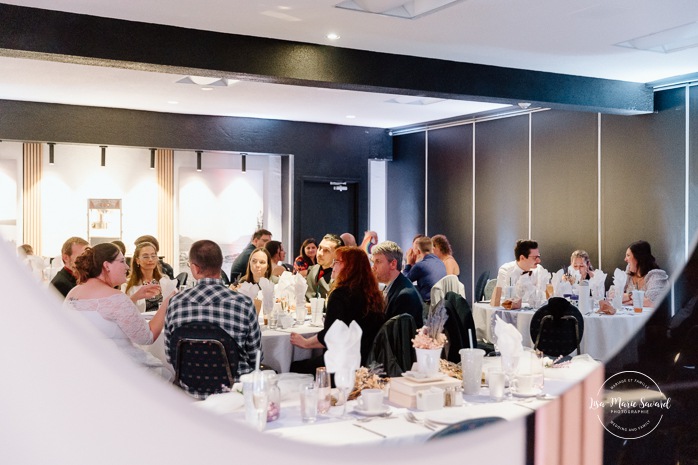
[
  {"x": 643, "y": 274},
  {"x": 100, "y": 269}
]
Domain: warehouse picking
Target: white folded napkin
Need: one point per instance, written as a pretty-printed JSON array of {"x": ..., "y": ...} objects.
[
  {"x": 267, "y": 290},
  {"x": 284, "y": 288},
  {"x": 225, "y": 402},
  {"x": 619, "y": 280},
  {"x": 597, "y": 284},
  {"x": 556, "y": 280},
  {"x": 300, "y": 286},
  {"x": 167, "y": 286},
  {"x": 343, "y": 346},
  {"x": 508, "y": 338},
  {"x": 248, "y": 289}
]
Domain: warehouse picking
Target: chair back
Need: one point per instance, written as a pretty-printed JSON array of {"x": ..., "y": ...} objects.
[
  {"x": 181, "y": 279},
  {"x": 458, "y": 326},
  {"x": 446, "y": 284},
  {"x": 206, "y": 358},
  {"x": 557, "y": 328},
  {"x": 392, "y": 346},
  {"x": 225, "y": 279},
  {"x": 489, "y": 288},
  {"x": 479, "y": 293},
  {"x": 464, "y": 426}
]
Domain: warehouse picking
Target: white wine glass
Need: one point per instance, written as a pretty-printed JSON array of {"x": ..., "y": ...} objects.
[
  {"x": 322, "y": 381},
  {"x": 344, "y": 379},
  {"x": 510, "y": 364}
]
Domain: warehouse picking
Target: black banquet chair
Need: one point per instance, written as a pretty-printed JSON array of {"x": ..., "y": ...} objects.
[
  {"x": 479, "y": 293},
  {"x": 557, "y": 328},
  {"x": 205, "y": 358},
  {"x": 392, "y": 346},
  {"x": 181, "y": 280}
]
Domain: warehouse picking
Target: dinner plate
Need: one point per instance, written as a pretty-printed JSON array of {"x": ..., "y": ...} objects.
[
  {"x": 371, "y": 413},
  {"x": 420, "y": 378},
  {"x": 527, "y": 394}
]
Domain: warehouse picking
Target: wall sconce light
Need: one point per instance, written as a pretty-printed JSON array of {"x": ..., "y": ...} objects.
[
  {"x": 244, "y": 163},
  {"x": 104, "y": 155},
  {"x": 198, "y": 160},
  {"x": 152, "y": 159},
  {"x": 50, "y": 152}
]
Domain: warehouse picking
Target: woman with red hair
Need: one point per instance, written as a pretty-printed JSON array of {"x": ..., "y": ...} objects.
[{"x": 354, "y": 297}]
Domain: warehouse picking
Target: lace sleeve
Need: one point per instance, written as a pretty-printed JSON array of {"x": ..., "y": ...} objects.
[{"x": 121, "y": 310}]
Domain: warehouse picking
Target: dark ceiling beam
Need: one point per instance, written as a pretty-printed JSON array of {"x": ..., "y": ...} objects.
[{"x": 45, "y": 34}]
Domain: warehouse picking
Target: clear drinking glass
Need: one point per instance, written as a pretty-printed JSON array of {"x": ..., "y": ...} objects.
[
  {"x": 322, "y": 381},
  {"x": 344, "y": 379},
  {"x": 509, "y": 366},
  {"x": 309, "y": 402}
]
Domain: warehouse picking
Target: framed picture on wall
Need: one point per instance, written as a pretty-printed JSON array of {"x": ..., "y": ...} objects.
[{"x": 103, "y": 220}]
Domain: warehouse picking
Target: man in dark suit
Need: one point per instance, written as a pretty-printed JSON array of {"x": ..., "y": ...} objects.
[
  {"x": 259, "y": 238},
  {"x": 319, "y": 275},
  {"x": 401, "y": 295},
  {"x": 65, "y": 279}
]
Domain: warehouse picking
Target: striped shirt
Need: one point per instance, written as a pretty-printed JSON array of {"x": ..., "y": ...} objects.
[{"x": 211, "y": 301}]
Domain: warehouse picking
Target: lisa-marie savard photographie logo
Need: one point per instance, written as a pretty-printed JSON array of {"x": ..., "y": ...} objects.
[{"x": 630, "y": 405}]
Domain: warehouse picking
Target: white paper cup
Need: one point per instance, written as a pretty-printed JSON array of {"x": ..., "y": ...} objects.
[{"x": 496, "y": 380}]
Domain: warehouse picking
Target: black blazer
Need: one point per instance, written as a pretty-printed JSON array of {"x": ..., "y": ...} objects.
[{"x": 403, "y": 297}]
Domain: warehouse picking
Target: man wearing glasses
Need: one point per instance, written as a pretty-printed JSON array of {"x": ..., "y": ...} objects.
[
  {"x": 320, "y": 275},
  {"x": 524, "y": 267}
]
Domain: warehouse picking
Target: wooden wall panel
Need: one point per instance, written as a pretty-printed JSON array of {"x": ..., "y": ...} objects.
[
  {"x": 31, "y": 194},
  {"x": 164, "y": 166}
]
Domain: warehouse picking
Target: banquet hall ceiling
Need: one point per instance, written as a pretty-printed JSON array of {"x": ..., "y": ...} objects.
[{"x": 578, "y": 38}]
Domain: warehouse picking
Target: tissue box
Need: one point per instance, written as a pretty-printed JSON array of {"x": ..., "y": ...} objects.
[{"x": 403, "y": 392}]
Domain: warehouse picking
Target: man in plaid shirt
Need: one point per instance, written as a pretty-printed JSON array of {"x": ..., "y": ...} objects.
[{"x": 211, "y": 301}]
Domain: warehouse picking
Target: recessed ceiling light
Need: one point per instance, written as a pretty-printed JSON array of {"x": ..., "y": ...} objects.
[
  {"x": 351, "y": 116},
  {"x": 207, "y": 88},
  {"x": 281, "y": 7},
  {"x": 332, "y": 36},
  {"x": 172, "y": 102}
]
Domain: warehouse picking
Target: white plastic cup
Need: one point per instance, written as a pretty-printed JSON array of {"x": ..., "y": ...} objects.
[
  {"x": 471, "y": 361},
  {"x": 638, "y": 300},
  {"x": 496, "y": 380}
]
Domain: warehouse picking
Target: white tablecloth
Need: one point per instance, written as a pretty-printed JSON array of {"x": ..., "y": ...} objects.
[
  {"x": 603, "y": 334},
  {"x": 277, "y": 351},
  {"x": 330, "y": 430}
]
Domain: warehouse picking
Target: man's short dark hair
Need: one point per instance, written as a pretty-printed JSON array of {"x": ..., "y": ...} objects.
[
  {"x": 333, "y": 238},
  {"x": 207, "y": 255},
  {"x": 390, "y": 250},
  {"x": 273, "y": 247},
  {"x": 259, "y": 233},
  {"x": 524, "y": 248}
]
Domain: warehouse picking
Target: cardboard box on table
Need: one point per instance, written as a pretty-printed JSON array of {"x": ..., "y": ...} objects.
[{"x": 403, "y": 391}]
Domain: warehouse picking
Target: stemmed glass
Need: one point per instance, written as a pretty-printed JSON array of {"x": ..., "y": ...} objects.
[
  {"x": 510, "y": 364},
  {"x": 322, "y": 381},
  {"x": 344, "y": 379}
]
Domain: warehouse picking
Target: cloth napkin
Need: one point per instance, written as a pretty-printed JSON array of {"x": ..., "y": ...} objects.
[
  {"x": 619, "y": 280},
  {"x": 597, "y": 284},
  {"x": 556, "y": 280},
  {"x": 343, "y": 346},
  {"x": 300, "y": 286},
  {"x": 221, "y": 403},
  {"x": 167, "y": 286},
  {"x": 267, "y": 290},
  {"x": 284, "y": 288},
  {"x": 508, "y": 338},
  {"x": 248, "y": 289}
]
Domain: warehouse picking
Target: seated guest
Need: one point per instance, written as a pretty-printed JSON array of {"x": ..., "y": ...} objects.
[
  {"x": 442, "y": 249},
  {"x": 400, "y": 294},
  {"x": 259, "y": 238},
  {"x": 423, "y": 267},
  {"x": 210, "y": 301},
  {"x": 165, "y": 267},
  {"x": 66, "y": 279},
  {"x": 643, "y": 274},
  {"x": 526, "y": 263},
  {"x": 581, "y": 262},
  {"x": 354, "y": 297},
  {"x": 320, "y": 275},
  {"x": 120, "y": 245},
  {"x": 278, "y": 257},
  {"x": 99, "y": 269},
  {"x": 258, "y": 267},
  {"x": 306, "y": 259},
  {"x": 34, "y": 262},
  {"x": 143, "y": 284}
]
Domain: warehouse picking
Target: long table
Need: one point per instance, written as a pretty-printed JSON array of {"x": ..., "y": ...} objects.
[
  {"x": 603, "y": 334},
  {"x": 331, "y": 430},
  {"x": 277, "y": 351}
]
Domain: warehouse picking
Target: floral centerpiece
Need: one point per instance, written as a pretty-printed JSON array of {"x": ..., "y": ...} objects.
[{"x": 429, "y": 341}]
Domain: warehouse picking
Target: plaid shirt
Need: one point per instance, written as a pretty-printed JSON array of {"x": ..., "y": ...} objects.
[{"x": 212, "y": 302}]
